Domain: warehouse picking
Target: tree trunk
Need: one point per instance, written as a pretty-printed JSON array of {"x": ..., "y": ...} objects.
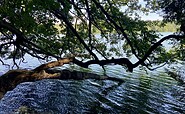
[{"x": 12, "y": 78}]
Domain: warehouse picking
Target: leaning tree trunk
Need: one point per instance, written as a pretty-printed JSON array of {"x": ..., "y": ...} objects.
[{"x": 12, "y": 78}]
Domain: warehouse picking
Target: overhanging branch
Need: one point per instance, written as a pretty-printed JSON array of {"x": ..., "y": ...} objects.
[
  {"x": 117, "y": 27},
  {"x": 59, "y": 15},
  {"x": 120, "y": 61},
  {"x": 154, "y": 46},
  {"x": 22, "y": 40}
]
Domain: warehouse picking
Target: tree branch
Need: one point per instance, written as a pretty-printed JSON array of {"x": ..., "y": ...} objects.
[
  {"x": 154, "y": 46},
  {"x": 117, "y": 27},
  {"x": 89, "y": 20},
  {"x": 54, "y": 64},
  {"x": 120, "y": 61},
  {"x": 59, "y": 15},
  {"x": 22, "y": 40},
  {"x": 12, "y": 78}
]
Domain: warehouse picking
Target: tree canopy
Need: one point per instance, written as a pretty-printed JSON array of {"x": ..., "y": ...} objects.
[{"x": 90, "y": 31}]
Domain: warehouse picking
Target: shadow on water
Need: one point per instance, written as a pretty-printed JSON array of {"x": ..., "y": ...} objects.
[{"x": 141, "y": 93}]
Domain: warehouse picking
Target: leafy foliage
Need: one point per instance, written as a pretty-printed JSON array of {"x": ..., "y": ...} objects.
[
  {"x": 29, "y": 27},
  {"x": 172, "y": 10},
  {"x": 162, "y": 26}
]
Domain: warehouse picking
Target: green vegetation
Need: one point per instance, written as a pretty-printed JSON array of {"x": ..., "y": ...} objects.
[
  {"x": 163, "y": 27},
  {"x": 158, "y": 26},
  {"x": 29, "y": 27}
]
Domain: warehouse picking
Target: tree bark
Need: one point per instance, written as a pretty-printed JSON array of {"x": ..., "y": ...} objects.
[{"x": 12, "y": 78}]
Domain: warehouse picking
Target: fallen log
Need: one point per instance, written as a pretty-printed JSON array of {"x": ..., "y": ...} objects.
[{"x": 12, "y": 78}]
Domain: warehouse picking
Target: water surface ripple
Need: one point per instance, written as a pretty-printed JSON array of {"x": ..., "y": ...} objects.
[{"x": 151, "y": 93}]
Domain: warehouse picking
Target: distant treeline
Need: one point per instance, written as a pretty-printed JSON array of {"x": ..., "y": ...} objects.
[
  {"x": 157, "y": 25},
  {"x": 161, "y": 26}
]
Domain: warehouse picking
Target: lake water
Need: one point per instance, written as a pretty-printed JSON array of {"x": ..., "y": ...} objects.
[{"x": 141, "y": 93}]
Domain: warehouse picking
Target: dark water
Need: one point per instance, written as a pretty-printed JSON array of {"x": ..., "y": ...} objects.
[{"x": 141, "y": 93}]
